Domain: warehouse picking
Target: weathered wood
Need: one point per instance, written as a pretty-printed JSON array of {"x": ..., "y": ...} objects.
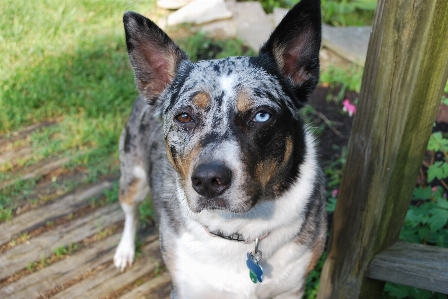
[
  {"x": 62, "y": 272},
  {"x": 158, "y": 287},
  {"x": 414, "y": 265},
  {"x": 41, "y": 168},
  {"x": 54, "y": 277},
  {"x": 110, "y": 280},
  {"x": 406, "y": 70},
  {"x": 33, "y": 250},
  {"x": 10, "y": 138},
  {"x": 14, "y": 154},
  {"x": 39, "y": 217}
]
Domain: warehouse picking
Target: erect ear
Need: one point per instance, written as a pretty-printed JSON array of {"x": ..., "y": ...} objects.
[
  {"x": 294, "y": 45},
  {"x": 154, "y": 56}
]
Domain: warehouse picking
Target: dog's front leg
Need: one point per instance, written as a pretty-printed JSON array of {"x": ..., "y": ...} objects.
[
  {"x": 133, "y": 190},
  {"x": 124, "y": 255}
]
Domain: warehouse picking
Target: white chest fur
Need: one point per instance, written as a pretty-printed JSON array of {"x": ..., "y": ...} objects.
[{"x": 211, "y": 267}]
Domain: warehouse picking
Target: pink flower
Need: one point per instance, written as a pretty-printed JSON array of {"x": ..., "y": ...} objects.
[
  {"x": 434, "y": 189},
  {"x": 348, "y": 107},
  {"x": 334, "y": 193}
]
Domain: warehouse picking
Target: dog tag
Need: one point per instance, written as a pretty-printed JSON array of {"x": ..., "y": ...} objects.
[{"x": 255, "y": 270}]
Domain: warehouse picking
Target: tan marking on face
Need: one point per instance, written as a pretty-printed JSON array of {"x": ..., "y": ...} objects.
[
  {"x": 183, "y": 164},
  {"x": 129, "y": 191},
  {"x": 288, "y": 151},
  {"x": 201, "y": 100},
  {"x": 244, "y": 102},
  {"x": 265, "y": 170}
]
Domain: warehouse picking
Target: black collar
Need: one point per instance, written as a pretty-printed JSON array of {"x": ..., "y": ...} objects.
[{"x": 233, "y": 237}]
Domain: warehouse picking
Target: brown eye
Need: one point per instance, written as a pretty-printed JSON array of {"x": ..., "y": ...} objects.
[{"x": 184, "y": 118}]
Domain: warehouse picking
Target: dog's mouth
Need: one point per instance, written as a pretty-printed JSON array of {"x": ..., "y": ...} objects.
[{"x": 212, "y": 204}]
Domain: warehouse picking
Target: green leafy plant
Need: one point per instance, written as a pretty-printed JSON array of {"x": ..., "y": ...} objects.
[
  {"x": 346, "y": 79},
  {"x": 60, "y": 251},
  {"x": 146, "y": 213},
  {"x": 392, "y": 291},
  {"x": 334, "y": 12},
  {"x": 348, "y": 13},
  {"x": 426, "y": 220},
  {"x": 312, "y": 281},
  {"x": 201, "y": 47},
  {"x": 269, "y": 5},
  {"x": 112, "y": 193}
]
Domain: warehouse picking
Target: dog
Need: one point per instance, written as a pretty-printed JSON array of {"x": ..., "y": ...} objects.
[{"x": 232, "y": 167}]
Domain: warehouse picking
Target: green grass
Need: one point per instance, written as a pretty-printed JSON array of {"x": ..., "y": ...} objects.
[
  {"x": 65, "y": 60},
  {"x": 347, "y": 79}
]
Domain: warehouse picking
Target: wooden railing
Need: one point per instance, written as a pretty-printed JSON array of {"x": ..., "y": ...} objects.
[{"x": 406, "y": 70}]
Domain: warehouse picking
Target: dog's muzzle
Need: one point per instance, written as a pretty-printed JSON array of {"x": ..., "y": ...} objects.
[{"x": 211, "y": 179}]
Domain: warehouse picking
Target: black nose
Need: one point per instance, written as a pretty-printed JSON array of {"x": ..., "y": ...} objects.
[{"x": 211, "y": 179}]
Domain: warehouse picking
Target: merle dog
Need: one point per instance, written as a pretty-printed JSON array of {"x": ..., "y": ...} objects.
[{"x": 230, "y": 163}]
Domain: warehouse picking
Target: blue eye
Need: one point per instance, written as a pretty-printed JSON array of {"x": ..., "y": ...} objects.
[{"x": 261, "y": 117}]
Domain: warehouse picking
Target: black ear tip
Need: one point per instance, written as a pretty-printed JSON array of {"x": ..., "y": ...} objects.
[
  {"x": 133, "y": 16},
  {"x": 127, "y": 15}
]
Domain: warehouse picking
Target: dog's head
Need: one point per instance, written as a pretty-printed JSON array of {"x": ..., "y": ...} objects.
[{"x": 232, "y": 127}]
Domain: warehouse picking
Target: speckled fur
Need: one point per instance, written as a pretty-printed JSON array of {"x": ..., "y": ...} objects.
[{"x": 276, "y": 189}]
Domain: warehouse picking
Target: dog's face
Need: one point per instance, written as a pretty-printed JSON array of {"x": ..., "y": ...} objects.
[
  {"x": 232, "y": 127},
  {"x": 230, "y": 132}
]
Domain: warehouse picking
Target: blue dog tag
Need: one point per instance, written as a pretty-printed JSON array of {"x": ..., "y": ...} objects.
[{"x": 256, "y": 272}]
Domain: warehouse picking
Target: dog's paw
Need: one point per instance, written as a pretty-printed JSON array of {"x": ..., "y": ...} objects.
[{"x": 124, "y": 255}]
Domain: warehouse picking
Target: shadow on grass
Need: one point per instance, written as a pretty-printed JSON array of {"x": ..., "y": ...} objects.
[{"x": 96, "y": 81}]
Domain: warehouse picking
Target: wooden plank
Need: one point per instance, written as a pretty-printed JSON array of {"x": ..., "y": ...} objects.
[
  {"x": 36, "y": 170},
  {"x": 5, "y": 139},
  {"x": 110, "y": 280},
  {"x": 416, "y": 265},
  {"x": 54, "y": 277},
  {"x": 61, "y": 207},
  {"x": 13, "y": 154},
  {"x": 62, "y": 272},
  {"x": 156, "y": 288},
  {"x": 406, "y": 71},
  {"x": 33, "y": 250}
]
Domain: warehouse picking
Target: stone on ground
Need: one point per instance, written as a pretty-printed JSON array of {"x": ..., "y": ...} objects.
[
  {"x": 200, "y": 12},
  {"x": 253, "y": 26},
  {"x": 221, "y": 29},
  {"x": 349, "y": 42}
]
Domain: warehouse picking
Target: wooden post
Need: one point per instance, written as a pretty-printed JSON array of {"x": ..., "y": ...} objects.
[{"x": 406, "y": 70}]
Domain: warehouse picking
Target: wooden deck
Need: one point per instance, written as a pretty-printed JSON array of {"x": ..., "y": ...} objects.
[{"x": 60, "y": 240}]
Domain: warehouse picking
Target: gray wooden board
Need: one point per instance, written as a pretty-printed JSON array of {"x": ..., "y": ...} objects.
[
  {"x": 41, "y": 168},
  {"x": 23, "y": 152},
  {"x": 64, "y": 271},
  {"x": 158, "y": 287},
  {"x": 110, "y": 280},
  {"x": 33, "y": 250},
  {"x": 417, "y": 265},
  {"x": 61, "y": 272},
  {"x": 58, "y": 208},
  {"x": 4, "y": 140}
]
